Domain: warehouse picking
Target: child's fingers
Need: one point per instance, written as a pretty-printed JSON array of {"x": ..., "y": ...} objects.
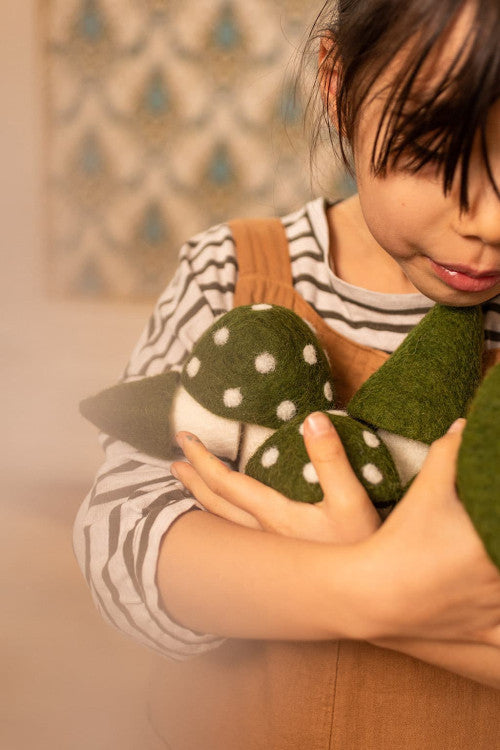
[
  {"x": 492, "y": 636},
  {"x": 209, "y": 499},
  {"x": 344, "y": 493},
  {"x": 262, "y": 502},
  {"x": 441, "y": 460}
]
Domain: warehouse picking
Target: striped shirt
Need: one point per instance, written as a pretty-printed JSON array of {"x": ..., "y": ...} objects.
[{"x": 135, "y": 499}]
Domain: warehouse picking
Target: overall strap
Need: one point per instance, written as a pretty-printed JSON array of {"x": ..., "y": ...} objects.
[{"x": 262, "y": 249}]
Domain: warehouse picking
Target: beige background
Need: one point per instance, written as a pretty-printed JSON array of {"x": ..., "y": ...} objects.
[
  {"x": 53, "y": 352},
  {"x": 68, "y": 681}
]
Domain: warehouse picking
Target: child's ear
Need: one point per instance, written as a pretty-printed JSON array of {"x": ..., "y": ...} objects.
[{"x": 328, "y": 76}]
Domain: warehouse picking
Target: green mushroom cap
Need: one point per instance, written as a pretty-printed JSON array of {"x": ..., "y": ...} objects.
[
  {"x": 259, "y": 364},
  {"x": 478, "y": 473},
  {"x": 430, "y": 379},
  {"x": 282, "y": 462}
]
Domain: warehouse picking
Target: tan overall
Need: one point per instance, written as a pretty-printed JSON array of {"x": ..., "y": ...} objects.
[{"x": 337, "y": 695}]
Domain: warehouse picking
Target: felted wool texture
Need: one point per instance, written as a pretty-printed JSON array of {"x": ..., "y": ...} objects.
[
  {"x": 429, "y": 380},
  {"x": 259, "y": 364},
  {"x": 219, "y": 435},
  {"x": 252, "y": 437},
  {"x": 282, "y": 462},
  {"x": 478, "y": 473},
  {"x": 137, "y": 412},
  {"x": 408, "y": 455}
]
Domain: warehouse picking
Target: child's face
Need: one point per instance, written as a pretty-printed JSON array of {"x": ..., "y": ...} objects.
[{"x": 450, "y": 257}]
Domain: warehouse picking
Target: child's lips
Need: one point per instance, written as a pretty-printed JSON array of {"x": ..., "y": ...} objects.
[{"x": 464, "y": 279}]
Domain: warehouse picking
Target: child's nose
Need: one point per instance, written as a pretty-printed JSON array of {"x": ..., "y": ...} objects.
[{"x": 482, "y": 220}]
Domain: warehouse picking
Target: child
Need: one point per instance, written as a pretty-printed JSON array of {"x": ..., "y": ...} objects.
[{"x": 414, "y": 95}]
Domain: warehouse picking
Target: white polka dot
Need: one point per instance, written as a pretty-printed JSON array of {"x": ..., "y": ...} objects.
[
  {"x": 309, "y": 474},
  {"x": 232, "y": 397},
  {"x": 193, "y": 367},
  {"x": 328, "y": 391},
  {"x": 301, "y": 429},
  {"x": 286, "y": 410},
  {"x": 370, "y": 439},
  {"x": 372, "y": 474},
  {"x": 262, "y": 307},
  {"x": 338, "y": 412},
  {"x": 310, "y": 354},
  {"x": 265, "y": 363},
  {"x": 221, "y": 336},
  {"x": 269, "y": 457}
]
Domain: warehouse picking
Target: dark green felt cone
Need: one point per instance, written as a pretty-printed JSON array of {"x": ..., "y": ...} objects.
[
  {"x": 282, "y": 462},
  {"x": 137, "y": 412},
  {"x": 430, "y": 379},
  {"x": 478, "y": 468},
  {"x": 260, "y": 364}
]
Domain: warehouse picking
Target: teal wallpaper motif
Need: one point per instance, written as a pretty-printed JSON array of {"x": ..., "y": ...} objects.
[{"x": 164, "y": 118}]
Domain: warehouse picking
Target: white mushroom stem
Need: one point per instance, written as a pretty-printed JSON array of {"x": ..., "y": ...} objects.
[
  {"x": 219, "y": 434},
  {"x": 408, "y": 455},
  {"x": 253, "y": 437}
]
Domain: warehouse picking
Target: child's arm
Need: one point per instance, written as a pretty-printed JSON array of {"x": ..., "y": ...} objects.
[
  {"x": 135, "y": 499},
  {"x": 423, "y": 575},
  {"x": 116, "y": 536},
  {"x": 236, "y": 583},
  {"x": 219, "y": 577}
]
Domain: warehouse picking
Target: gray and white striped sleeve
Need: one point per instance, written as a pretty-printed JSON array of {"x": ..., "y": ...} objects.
[{"x": 134, "y": 499}]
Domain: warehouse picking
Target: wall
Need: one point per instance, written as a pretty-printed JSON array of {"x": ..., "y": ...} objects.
[{"x": 53, "y": 352}]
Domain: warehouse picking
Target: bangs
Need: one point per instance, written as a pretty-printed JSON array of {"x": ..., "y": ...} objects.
[{"x": 427, "y": 117}]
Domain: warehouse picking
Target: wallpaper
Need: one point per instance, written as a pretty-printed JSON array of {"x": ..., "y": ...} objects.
[{"x": 163, "y": 118}]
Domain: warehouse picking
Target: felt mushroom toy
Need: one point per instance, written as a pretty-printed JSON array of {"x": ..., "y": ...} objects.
[
  {"x": 256, "y": 370},
  {"x": 253, "y": 370},
  {"x": 427, "y": 383},
  {"x": 282, "y": 462},
  {"x": 259, "y": 370}
]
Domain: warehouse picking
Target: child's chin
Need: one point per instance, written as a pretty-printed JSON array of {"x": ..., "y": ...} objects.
[
  {"x": 468, "y": 299},
  {"x": 438, "y": 291}
]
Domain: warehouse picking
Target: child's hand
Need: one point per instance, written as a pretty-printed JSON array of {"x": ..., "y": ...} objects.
[
  {"x": 345, "y": 515},
  {"x": 424, "y": 573},
  {"x": 441, "y": 581}
]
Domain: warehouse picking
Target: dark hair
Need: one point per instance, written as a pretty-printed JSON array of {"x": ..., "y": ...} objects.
[{"x": 420, "y": 125}]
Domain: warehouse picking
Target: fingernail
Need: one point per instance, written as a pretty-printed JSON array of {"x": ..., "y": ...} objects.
[
  {"x": 457, "y": 425},
  {"x": 186, "y": 437},
  {"x": 318, "y": 423}
]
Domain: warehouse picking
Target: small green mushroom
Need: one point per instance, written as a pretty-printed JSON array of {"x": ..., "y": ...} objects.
[
  {"x": 282, "y": 462},
  {"x": 259, "y": 364}
]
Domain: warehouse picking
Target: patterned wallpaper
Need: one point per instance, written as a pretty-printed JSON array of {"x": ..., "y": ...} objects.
[{"x": 165, "y": 117}]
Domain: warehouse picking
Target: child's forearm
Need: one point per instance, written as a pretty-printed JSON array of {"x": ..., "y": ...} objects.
[
  {"x": 217, "y": 577},
  {"x": 479, "y": 662}
]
